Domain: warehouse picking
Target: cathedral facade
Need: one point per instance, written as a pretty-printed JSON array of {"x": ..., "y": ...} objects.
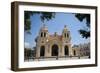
[{"x": 48, "y": 45}]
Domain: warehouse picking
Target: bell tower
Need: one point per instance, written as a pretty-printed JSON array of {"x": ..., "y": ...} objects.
[
  {"x": 43, "y": 32},
  {"x": 66, "y": 34},
  {"x": 41, "y": 42},
  {"x": 66, "y": 42}
]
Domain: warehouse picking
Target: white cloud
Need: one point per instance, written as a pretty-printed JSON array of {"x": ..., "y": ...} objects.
[{"x": 27, "y": 45}]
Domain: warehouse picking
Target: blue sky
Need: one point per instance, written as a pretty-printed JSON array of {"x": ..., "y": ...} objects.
[{"x": 56, "y": 25}]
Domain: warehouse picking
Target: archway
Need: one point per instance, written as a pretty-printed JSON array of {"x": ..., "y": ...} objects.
[
  {"x": 74, "y": 53},
  {"x": 66, "y": 50},
  {"x": 42, "y": 51},
  {"x": 54, "y": 50}
]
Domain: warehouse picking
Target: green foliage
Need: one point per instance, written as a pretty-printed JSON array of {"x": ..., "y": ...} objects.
[
  {"x": 85, "y": 33},
  {"x": 47, "y": 16},
  {"x": 43, "y": 16},
  {"x": 50, "y": 15}
]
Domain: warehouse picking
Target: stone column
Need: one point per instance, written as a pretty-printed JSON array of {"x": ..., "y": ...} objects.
[
  {"x": 70, "y": 50},
  {"x": 50, "y": 51},
  {"x": 62, "y": 54},
  {"x": 37, "y": 52},
  {"x": 46, "y": 51},
  {"x": 60, "y": 51}
]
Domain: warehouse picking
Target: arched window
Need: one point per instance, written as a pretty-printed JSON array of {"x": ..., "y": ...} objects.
[
  {"x": 66, "y": 50},
  {"x": 41, "y": 34},
  {"x": 54, "y": 50},
  {"x": 74, "y": 53},
  {"x": 44, "y": 34},
  {"x": 65, "y": 35},
  {"x": 42, "y": 51}
]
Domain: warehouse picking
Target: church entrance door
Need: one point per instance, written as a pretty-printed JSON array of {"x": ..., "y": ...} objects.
[
  {"x": 66, "y": 50},
  {"x": 55, "y": 50},
  {"x": 42, "y": 51}
]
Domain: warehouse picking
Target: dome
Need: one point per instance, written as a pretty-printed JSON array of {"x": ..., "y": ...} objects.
[
  {"x": 65, "y": 28},
  {"x": 44, "y": 27}
]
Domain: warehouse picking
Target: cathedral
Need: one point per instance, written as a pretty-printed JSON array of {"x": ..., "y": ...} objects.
[{"x": 55, "y": 45}]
